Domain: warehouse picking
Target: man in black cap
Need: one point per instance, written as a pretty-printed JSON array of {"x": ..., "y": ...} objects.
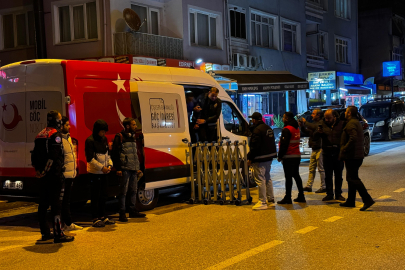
[{"x": 262, "y": 147}]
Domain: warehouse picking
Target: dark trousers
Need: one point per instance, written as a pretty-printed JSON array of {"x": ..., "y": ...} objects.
[
  {"x": 99, "y": 185},
  {"x": 52, "y": 188},
  {"x": 354, "y": 182},
  {"x": 333, "y": 166},
  {"x": 291, "y": 168},
  {"x": 128, "y": 188},
  {"x": 66, "y": 216},
  {"x": 207, "y": 134}
]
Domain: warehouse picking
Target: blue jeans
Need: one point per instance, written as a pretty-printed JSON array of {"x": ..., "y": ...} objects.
[{"x": 129, "y": 185}]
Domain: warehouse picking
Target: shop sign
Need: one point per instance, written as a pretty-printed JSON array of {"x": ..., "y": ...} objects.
[
  {"x": 272, "y": 87},
  {"x": 226, "y": 67},
  {"x": 392, "y": 68},
  {"x": 179, "y": 63},
  {"x": 144, "y": 61},
  {"x": 351, "y": 78},
  {"x": 216, "y": 67},
  {"x": 322, "y": 80},
  {"x": 106, "y": 59}
]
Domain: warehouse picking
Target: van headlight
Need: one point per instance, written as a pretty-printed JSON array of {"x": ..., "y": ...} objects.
[{"x": 380, "y": 124}]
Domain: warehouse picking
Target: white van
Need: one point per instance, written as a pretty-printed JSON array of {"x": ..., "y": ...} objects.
[{"x": 87, "y": 91}]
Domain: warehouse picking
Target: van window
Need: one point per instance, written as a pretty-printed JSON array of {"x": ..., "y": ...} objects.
[
  {"x": 162, "y": 113},
  {"x": 233, "y": 121},
  {"x": 382, "y": 111}
]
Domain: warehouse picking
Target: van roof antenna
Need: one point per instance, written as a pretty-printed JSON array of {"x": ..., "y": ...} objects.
[{"x": 132, "y": 19}]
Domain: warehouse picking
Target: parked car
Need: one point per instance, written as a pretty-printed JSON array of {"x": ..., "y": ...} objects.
[
  {"x": 306, "y": 150},
  {"x": 386, "y": 116}
]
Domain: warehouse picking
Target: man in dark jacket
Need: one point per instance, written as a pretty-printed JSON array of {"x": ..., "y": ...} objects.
[
  {"x": 211, "y": 107},
  {"x": 262, "y": 151},
  {"x": 48, "y": 161},
  {"x": 330, "y": 132},
  {"x": 352, "y": 153},
  {"x": 125, "y": 159},
  {"x": 316, "y": 160},
  {"x": 99, "y": 164}
]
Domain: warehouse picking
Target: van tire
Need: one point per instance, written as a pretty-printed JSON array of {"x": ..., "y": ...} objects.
[
  {"x": 366, "y": 145},
  {"x": 146, "y": 199}
]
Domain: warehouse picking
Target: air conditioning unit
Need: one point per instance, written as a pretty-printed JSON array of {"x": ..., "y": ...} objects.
[
  {"x": 239, "y": 60},
  {"x": 253, "y": 62}
]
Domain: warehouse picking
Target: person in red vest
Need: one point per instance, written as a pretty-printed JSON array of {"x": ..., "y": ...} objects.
[{"x": 289, "y": 154}]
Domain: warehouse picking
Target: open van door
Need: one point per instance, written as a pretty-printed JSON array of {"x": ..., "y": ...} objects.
[{"x": 166, "y": 133}]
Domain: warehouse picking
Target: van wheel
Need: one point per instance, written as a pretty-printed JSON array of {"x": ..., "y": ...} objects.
[
  {"x": 388, "y": 137},
  {"x": 146, "y": 199},
  {"x": 366, "y": 145},
  {"x": 403, "y": 132}
]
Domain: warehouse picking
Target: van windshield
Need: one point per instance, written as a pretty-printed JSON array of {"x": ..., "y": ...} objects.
[{"x": 382, "y": 111}]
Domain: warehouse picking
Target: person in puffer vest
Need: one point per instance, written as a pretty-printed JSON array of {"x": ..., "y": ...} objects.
[
  {"x": 99, "y": 164},
  {"x": 70, "y": 174},
  {"x": 126, "y": 161}
]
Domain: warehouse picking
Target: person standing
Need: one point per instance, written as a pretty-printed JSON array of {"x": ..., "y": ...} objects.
[
  {"x": 193, "y": 109},
  {"x": 289, "y": 154},
  {"x": 211, "y": 107},
  {"x": 316, "y": 160},
  {"x": 70, "y": 173},
  {"x": 262, "y": 148},
  {"x": 47, "y": 159},
  {"x": 352, "y": 153},
  {"x": 125, "y": 159},
  {"x": 330, "y": 132},
  {"x": 99, "y": 164}
]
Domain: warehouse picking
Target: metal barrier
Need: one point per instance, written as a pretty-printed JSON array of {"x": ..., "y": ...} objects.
[{"x": 218, "y": 166}]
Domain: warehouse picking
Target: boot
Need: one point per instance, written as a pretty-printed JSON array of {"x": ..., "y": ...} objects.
[
  {"x": 63, "y": 239},
  {"x": 123, "y": 217},
  {"x": 300, "y": 198},
  {"x": 136, "y": 214},
  {"x": 285, "y": 200}
]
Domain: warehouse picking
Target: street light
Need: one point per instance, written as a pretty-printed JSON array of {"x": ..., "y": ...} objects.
[{"x": 198, "y": 61}]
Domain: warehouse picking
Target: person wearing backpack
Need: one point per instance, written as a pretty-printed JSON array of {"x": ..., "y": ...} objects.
[
  {"x": 48, "y": 160},
  {"x": 126, "y": 161},
  {"x": 99, "y": 164}
]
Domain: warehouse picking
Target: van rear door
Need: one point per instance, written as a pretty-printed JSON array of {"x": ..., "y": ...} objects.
[{"x": 165, "y": 130}]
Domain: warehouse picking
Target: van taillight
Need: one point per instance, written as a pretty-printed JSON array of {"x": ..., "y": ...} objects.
[{"x": 28, "y": 62}]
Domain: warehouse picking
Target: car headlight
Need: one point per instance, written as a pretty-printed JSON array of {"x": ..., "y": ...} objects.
[
  {"x": 380, "y": 124},
  {"x": 304, "y": 141}
]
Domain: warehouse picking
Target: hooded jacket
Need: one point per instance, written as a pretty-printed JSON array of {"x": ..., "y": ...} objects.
[
  {"x": 70, "y": 157},
  {"x": 262, "y": 143},
  {"x": 125, "y": 152},
  {"x": 96, "y": 149}
]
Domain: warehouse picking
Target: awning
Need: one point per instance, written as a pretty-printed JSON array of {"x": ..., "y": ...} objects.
[
  {"x": 264, "y": 81},
  {"x": 357, "y": 90}
]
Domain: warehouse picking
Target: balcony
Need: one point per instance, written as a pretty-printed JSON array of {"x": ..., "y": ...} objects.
[
  {"x": 315, "y": 61},
  {"x": 148, "y": 45}
]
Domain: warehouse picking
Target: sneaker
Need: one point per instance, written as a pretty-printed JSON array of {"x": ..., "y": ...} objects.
[
  {"x": 340, "y": 198},
  {"x": 321, "y": 190},
  {"x": 270, "y": 201},
  {"x": 136, "y": 214},
  {"x": 367, "y": 205},
  {"x": 260, "y": 206},
  {"x": 98, "y": 223},
  {"x": 123, "y": 217},
  {"x": 347, "y": 204},
  {"x": 46, "y": 237},
  {"x": 328, "y": 198},
  {"x": 108, "y": 221},
  {"x": 72, "y": 227},
  {"x": 63, "y": 239},
  {"x": 285, "y": 201},
  {"x": 300, "y": 198},
  {"x": 309, "y": 189}
]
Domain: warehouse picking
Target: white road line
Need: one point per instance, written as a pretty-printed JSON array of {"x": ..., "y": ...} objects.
[
  {"x": 333, "y": 219},
  {"x": 245, "y": 255},
  {"x": 306, "y": 230},
  {"x": 400, "y": 190},
  {"x": 10, "y": 247},
  {"x": 383, "y": 197},
  {"x": 282, "y": 179}
]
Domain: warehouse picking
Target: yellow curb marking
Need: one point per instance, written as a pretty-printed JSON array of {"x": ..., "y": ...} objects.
[
  {"x": 306, "y": 230},
  {"x": 332, "y": 219},
  {"x": 245, "y": 255},
  {"x": 400, "y": 190},
  {"x": 383, "y": 197}
]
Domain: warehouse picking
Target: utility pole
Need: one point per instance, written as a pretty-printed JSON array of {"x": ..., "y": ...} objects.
[{"x": 40, "y": 36}]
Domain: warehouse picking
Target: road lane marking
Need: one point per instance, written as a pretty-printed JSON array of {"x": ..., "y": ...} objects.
[
  {"x": 400, "y": 190},
  {"x": 383, "y": 197},
  {"x": 10, "y": 247},
  {"x": 282, "y": 179},
  {"x": 245, "y": 255},
  {"x": 306, "y": 230},
  {"x": 333, "y": 219}
]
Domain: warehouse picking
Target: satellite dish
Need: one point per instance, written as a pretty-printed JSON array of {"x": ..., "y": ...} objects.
[{"x": 132, "y": 19}]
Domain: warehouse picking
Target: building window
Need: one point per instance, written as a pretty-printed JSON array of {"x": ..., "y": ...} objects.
[
  {"x": 237, "y": 20},
  {"x": 76, "y": 21},
  {"x": 203, "y": 28},
  {"x": 290, "y": 30},
  {"x": 17, "y": 30},
  {"x": 323, "y": 44},
  {"x": 152, "y": 15},
  {"x": 342, "y": 9},
  {"x": 342, "y": 50},
  {"x": 262, "y": 29},
  {"x": 397, "y": 54}
]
